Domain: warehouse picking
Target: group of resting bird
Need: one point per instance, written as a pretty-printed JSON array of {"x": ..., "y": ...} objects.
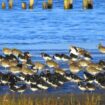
[{"x": 23, "y": 73}]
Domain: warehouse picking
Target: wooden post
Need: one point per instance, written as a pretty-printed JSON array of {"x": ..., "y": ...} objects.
[
  {"x": 66, "y": 4},
  {"x": 31, "y": 4},
  {"x": 87, "y": 4},
  {"x": 70, "y": 4},
  {"x": 50, "y": 3},
  {"x": 3, "y": 5},
  {"x": 10, "y": 4},
  {"x": 24, "y": 5},
  {"x": 44, "y": 5},
  {"x": 90, "y": 4}
]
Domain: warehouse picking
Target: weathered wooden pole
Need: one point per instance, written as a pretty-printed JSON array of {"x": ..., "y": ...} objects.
[
  {"x": 68, "y": 4},
  {"x": 24, "y": 5},
  {"x": 31, "y": 4},
  {"x": 87, "y": 4},
  {"x": 3, "y": 5},
  {"x": 90, "y": 4},
  {"x": 50, "y": 4},
  {"x": 10, "y": 4},
  {"x": 45, "y": 5}
]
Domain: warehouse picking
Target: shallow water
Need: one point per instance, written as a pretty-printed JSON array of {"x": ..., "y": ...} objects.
[{"x": 53, "y": 30}]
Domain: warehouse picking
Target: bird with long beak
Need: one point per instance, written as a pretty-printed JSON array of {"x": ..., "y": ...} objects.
[
  {"x": 101, "y": 48},
  {"x": 7, "y": 51}
]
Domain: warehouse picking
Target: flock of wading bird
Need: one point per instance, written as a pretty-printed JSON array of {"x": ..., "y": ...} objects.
[
  {"x": 23, "y": 73},
  {"x": 48, "y": 4}
]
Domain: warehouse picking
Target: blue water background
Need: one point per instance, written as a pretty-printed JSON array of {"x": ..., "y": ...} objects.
[{"x": 52, "y": 29}]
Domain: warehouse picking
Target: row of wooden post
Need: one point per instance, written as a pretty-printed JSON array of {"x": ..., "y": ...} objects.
[{"x": 68, "y": 4}]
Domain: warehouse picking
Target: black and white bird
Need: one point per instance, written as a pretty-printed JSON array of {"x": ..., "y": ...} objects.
[
  {"x": 65, "y": 57},
  {"x": 57, "y": 57},
  {"x": 46, "y": 56},
  {"x": 90, "y": 86},
  {"x": 88, "y": 77},
  {"x": 82, "y": 86},
  {"x": 17, "y": 88}
]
